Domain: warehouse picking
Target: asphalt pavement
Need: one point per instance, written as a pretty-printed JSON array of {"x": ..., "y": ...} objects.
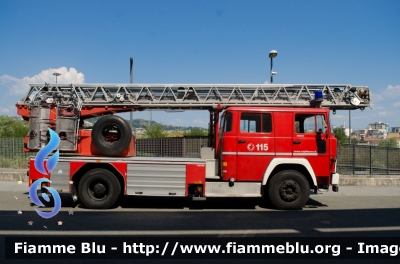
[{"x": 354, "y": 211}]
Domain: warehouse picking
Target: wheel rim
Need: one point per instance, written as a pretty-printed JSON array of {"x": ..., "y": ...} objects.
[
  {"x": 98, "y": 190},
  {"x": 111, "y": 133},
  {"x": 289, "y": 190}
]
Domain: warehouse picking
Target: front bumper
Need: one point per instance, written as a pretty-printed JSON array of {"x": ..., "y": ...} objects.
[{"x": 335, "y": 182}]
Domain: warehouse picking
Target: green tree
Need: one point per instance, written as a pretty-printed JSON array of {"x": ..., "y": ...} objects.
[
  {"x": 155, "y": 131},
  {"x": 340, "y": 135},
  {"x": 175, "y": 133},
  {"x": 196, "y": 131},
  {"x": 10, "y": 127},
  {"x": 391, "y": 143}
]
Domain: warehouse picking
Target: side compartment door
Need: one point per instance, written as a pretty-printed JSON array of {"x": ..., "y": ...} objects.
[
  {"x": 310, "y": 141},
  {"x": 255, "y": 145}
]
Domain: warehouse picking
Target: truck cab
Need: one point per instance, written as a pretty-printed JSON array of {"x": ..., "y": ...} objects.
[{"x": 257, "y": 144}]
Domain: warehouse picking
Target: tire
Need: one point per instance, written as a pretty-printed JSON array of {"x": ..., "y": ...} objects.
[
  {"x": 99, "y": 189},
  {"x": 111, "y": 135},
  {"x": 289, "y": 190}
]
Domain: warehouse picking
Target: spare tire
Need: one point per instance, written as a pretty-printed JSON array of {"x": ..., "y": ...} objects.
[{"x": 111, "y": 135}]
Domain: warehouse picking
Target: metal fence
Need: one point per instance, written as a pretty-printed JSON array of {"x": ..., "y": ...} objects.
[
  {"x": 12, "y": 155},
  {"x": 368, "y": 160},
  {"x": 352, "y": 159},
  {"x": 170, "y": 147}
]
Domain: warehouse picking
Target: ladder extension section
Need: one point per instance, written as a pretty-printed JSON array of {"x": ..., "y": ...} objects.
[{"x": 196, "y": 96}]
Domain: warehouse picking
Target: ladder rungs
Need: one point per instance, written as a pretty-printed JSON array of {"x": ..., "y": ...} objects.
[{"x": 199, "y": 96}]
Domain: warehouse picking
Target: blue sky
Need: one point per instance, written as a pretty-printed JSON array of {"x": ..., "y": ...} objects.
[{"x": 189, "y": 41}]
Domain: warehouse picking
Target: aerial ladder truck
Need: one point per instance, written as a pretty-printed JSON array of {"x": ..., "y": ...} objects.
[{"x": 266, "y": 140}]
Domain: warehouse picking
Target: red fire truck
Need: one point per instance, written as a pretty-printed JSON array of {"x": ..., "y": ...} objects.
[{"x": 267, "y": 140}]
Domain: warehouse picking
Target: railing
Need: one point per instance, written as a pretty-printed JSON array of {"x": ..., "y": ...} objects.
[
  {"x": 12, "y": 155},
  {"x": 353, "y": 159},
  {"x": 368, "y": 160},
  {"x": 170, "y": 147}
]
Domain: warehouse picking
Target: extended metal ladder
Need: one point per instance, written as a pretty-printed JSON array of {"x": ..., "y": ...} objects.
[{"x": 196, "y": 96}]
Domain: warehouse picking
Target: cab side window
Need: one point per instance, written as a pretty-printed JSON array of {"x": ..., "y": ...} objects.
[
  {"x": 321, "y": 124},
  {"x": 309, "y": 124},
  {"x": 255, "y": 123},
  {"x": 221, "y": 125},
  {"x": 228, "y": 123}
]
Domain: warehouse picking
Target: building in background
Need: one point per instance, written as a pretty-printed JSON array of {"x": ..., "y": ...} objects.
[
  {"x": 377, "y": 130},
  {"x": 395, "y": 129},
  {"x": 359, "y": 133},
  {"x": 379, "y": 125},
  {"x": 375, "y": 133}
]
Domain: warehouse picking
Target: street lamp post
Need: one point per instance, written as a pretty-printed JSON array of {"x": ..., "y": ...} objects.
[
  {"x": 56, "y": 74},
  {"x": 131, "y": 113},
  {"x": 349, "y": 128},
  {"x": 131, "y": 81},
  {"x": 272, "y": 54}
]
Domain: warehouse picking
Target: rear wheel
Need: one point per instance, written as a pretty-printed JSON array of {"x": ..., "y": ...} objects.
[
  {"x": 289, "y": 189},
  {"x": 99, "y": 189}
]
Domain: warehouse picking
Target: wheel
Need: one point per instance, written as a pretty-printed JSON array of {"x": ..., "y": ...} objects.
[
  {"x": 111, "y": 135},
  {"x": 289, "y": 189},
  {"x": 99, "y": 189}
]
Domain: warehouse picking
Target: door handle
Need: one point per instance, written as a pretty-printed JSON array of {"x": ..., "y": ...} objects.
[
  {"x": 242, "y": 141},
  {"x": 296, "y": 142}
]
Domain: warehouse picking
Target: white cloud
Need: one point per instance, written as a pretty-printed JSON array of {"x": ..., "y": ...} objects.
[
  {"x": 390, "y": 92},
  {"x": 383, "y": 113},
  {"x": 378, "y": 107},
  {"x": 4, "y": 110},
  {"x": 377, "y": 97},
  {"x": 385, "y": 104},
  {"x": 20, "y": 86}
]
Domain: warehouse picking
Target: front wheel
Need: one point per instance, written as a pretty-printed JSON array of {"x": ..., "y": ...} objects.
[
  {"x": 99, "y": 189},
  {"x": 289, "y": 189}
]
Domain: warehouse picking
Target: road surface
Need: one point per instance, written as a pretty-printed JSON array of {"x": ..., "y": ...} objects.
[{"x": 351, "y": 212}]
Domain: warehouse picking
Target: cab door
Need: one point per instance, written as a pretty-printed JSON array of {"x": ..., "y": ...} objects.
[
  {"x": 227, "y": 146},
  {"x": 255, "y": 145},
  {"x": 310, "y": 141}
]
